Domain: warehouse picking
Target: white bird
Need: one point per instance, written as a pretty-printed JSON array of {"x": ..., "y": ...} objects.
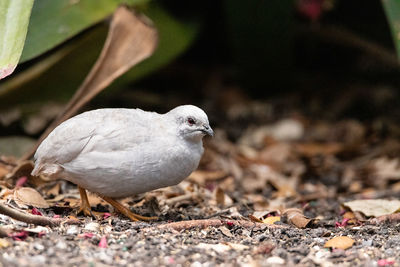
[{"x": 122, "y": 152}]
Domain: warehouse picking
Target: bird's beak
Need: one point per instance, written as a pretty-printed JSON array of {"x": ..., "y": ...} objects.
[{"x": 207, "y": 130}]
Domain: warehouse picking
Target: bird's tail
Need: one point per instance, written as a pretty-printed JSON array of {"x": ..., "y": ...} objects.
[{"x": 49, "y": 170}]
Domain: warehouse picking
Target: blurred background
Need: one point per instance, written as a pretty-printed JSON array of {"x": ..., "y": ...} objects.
[{"x": 246, "y": 63}]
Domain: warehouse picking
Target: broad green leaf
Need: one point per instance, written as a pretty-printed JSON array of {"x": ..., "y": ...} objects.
[
  {"x": 54, "y": 21},
  {"x": 392, "y": 10},
  {"x": 14, "y": 20}
]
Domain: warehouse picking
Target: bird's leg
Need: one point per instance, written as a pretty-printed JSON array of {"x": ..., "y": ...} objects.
[
  {"x": 85, "y": 205},
  {"x": 125, "y": 211}
]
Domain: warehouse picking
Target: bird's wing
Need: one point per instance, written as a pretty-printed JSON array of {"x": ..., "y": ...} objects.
[{"x": 101, "y": 130}]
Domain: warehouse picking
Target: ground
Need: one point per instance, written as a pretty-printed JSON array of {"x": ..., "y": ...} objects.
[{"x": 270, "y": 191}]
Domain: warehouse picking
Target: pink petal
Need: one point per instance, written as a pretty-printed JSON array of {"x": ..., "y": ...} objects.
[
  {"x": 88, "y": 235},
  {"x": 40, "y": 234},
  {"x": 19, "y": 236},
  {"x": 384, "y": 262},
  {"x": 35, "y": 211},
  {"x": 21, "y": 181},
  {"x": 103, "y": 242},
  {"x": 229, "y": 224}
]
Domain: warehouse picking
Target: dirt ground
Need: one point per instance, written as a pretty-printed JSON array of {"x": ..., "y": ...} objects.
[{"x": 270, "y": 191}]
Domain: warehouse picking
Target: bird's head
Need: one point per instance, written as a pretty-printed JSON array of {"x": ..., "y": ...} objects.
[{"x": 192, "y": 122}]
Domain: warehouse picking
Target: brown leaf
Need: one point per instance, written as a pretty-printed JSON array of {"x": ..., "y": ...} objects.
[
  {"x": 202, "y": 177},
  {"x": 130, "y": 40},
  {"x": 3, "y": 171},
  {"x": 297, "y": 218},
  {"x": 314, "y": 149},
  {"x": 342, "y": 242},
  {"x": 29, "y": 196},
  {"x": 220, "y": 196},
  {"x": 272, "y": 219},
  {"x": 374, "y": 207},
  {"x": 54, "y": 190}
]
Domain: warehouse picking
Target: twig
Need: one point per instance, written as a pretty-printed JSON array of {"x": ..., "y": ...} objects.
[
  {"x": 201, "y": 224},
  {"x": 33, "y": 219}
]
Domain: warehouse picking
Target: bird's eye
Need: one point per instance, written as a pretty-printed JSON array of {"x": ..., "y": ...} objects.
[{"x": 191, "y": 121}]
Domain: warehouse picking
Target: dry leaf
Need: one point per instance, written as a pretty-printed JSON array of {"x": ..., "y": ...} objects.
[
  {"x": 314, "y": 149},
  {"x": 29, "y": 196},
  {"x": 220, "y": 196},
  {"x": 374, "y": 207},
  {"x": 271, "y": 219},
  {"x": 297, "y": 218},
  {"x": 4, "y": 243},
  {"x": 130, "y": 40},
  {"x": 54, "y": 190},
  {"x": 201, "y": 177},
  {"x": 386, "y": 169},
  {"x": 342, "y": 242},
  {"x": 225, "y": 231},
  {"x": 3, "y": 171},
  {"x": 24, "y": 168}
]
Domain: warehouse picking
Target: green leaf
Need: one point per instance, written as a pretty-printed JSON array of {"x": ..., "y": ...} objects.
[
  {"x": 54, "y": 21},
  {"x": 14, "y": 20},
  {"x": 392, "y": 10}
]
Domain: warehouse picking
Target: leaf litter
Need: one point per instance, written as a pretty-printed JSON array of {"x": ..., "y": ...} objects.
[{"x": 271, "y": 195}]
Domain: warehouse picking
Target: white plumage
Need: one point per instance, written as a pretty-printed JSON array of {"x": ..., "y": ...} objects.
[{"x": 122, "y": 152}]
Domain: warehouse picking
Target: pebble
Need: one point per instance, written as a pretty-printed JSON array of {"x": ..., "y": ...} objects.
[
  {"x": 92, "y": 226},
  {"x": 72, "y": 230},
  {"x": 61, "y": 245},
  {"x": 275, "y": 260}
]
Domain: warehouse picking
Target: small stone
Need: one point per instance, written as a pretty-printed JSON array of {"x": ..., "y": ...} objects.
[
  {"x": 61, "y": 245},
  {"x": 92, "y": 226},
  {"x": 72, "y": 230},
  {"x": 38, "y": 246},
  {"x": 275, "y": 260}
]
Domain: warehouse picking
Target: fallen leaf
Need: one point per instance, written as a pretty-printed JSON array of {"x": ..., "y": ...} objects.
[
  {"x": 314, "y": 149},
  {"x": 386, "y": 262},
  {"x": 341, "y": 242},
  {"x": 202, "y": 177},
  {"x": 271, "y": 219},
  {"x": 297, "y": 218},
  {"x": 54, "y": 190},
  {"x": 220, "y": 196},
  {"x": 3, "y": 171},
  {"x": 4, "y": 243},
  {"x": 225, "y": 231},
  {"x": 29, "y": 196},
  {"x": 374, "y": 207},
  {"x": 386, "y": 169}
]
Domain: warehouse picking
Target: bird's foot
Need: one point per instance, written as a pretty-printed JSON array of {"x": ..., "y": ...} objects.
[
  {"x": 125, "y": 211},
  {"x": 87, "y": 211}
]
